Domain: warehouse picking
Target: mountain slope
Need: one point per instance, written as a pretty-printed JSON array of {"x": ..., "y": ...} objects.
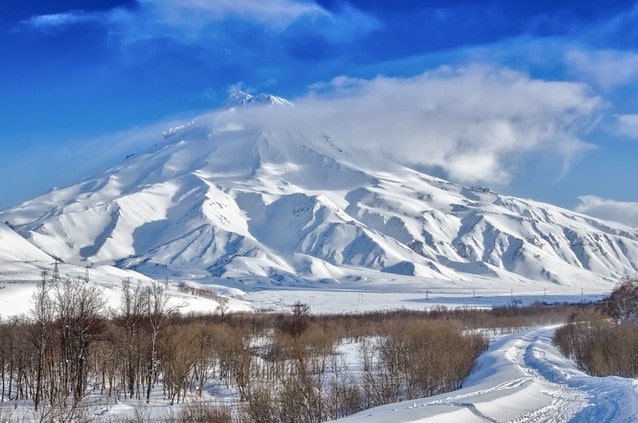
[
  {"x": 227, "y": 196},
  {"x": 19, "y": 257}
]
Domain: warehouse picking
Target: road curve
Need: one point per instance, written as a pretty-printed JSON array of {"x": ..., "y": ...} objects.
[{"x": 520, "y": 378}]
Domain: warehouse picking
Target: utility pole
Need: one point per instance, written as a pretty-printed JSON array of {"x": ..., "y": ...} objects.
[
  {"x": 86, "y": 273},
  {"x": 56, "y": 272},
  {"x": 44, "y": 278}
]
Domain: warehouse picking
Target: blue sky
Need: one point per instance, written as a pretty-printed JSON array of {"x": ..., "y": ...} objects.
[{"x": 536, "y": 99}]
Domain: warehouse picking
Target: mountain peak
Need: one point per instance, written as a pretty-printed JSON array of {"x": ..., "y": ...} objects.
[
  {"x": 242, "y": 198},
  {"x": 242, "y": 98}
]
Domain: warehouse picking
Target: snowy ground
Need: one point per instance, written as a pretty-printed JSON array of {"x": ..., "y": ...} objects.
[
  {"x": 404, "y": 296},
  {"x": 357, "y": 296},
  {"x": 521, "y": 378}
]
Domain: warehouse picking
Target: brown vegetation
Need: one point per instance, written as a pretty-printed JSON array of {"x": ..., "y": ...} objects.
[
  {"x": 604, "y": 342},
  {"x": 282, "y": 367}
]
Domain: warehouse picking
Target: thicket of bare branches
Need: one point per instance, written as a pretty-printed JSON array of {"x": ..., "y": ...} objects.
[
  {"x": 604, "y": 342},
  {"x": 622, "y": 303},
  {"x": 282, "y": 367}
]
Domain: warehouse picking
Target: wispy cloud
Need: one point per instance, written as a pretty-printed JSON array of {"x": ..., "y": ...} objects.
[
  {"x": 198, "y": 13},
  {"x": 618, "y": 211},
  {"x": 627, "y": 125},
  {"x": 189, "y": 20},
  {"x": 199, "y": 20},
  {"x": 617, "y": 29},
  {"x": 59, "y": 20},
  {"x": 191, "y": 13},
  {"x": 476, "y": 124},
  {"x": 605, "y": 68}
]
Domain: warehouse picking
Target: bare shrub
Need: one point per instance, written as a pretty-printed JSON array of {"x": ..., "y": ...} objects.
[
  {"x": 622, "y": 304},
  {"x": 599, "y": 346},
  {"x": 198, "y": 412},
  {"x": 283, "y": 367},
  {"x": 344, "y": 395},
  {"x": 422, "y": 358},
  {"x": 261, "y": 406},
  {"x": 296, "y": 324}
]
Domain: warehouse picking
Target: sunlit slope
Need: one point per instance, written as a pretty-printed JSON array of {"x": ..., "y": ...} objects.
[{"x": 230, "y": 197}]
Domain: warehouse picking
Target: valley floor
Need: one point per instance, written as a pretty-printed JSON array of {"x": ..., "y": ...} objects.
[
  {"x": 378, "y": 296},
  {"x": 521, "y": 378}
]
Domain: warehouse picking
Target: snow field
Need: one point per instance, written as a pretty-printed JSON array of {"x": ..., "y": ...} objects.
[{"x": 521, "y": 378}]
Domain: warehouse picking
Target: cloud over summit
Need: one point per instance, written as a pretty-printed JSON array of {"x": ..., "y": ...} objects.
[
  {"x": 474, "y": 123},
  {"x": 618, "y": 211}
]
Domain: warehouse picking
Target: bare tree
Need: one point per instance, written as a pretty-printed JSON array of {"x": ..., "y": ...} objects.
[
  {"x": 622, "y": 304},
  {"x": 41, "y": 332},
  {"x": 128, "y": 340},
  {"x": 79, "y": 309},
  {"x": 222, "y": 307},
  {"x": 296, "y": 324},
  {"x": 158, "y": 315}
]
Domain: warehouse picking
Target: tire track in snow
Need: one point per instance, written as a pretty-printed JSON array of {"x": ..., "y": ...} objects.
[
  {"x": 565, "y": 402},
  {"x": 580, "y": 397},
  {"x": 575, "y": 396},
  {"x": 522, "y": 378},
  {"x": 475, "y": 411}
]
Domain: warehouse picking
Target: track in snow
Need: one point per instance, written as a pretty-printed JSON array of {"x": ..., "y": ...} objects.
[{"x": 521, "y": 378}]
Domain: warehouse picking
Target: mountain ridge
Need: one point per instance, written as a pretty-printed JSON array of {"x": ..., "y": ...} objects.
[{"x": 228, "y": 197}]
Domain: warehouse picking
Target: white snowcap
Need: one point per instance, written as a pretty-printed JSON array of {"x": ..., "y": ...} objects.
[{"x": 242, "y": 98}]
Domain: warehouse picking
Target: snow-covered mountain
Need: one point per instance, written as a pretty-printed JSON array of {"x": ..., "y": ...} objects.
[
  {"x": 242, "y": 98},
  {"x": 19, "y": 257},
  {"x": 235, "y": 195}
]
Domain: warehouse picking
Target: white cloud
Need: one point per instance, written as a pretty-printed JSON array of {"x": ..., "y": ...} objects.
[
  {"x": 475, "y": 123},
  {"x": 198, "y": 21},
  {"x": 627, "y": 125},
  {"x": 346, "y": 24},
  {"x": 56, "y": 20},
  {"x": 197, "y": 13},
  {"x": 607, "y": 68},
  {"x": 192, "y": 14},
  {"x": 618, "y": 211}
]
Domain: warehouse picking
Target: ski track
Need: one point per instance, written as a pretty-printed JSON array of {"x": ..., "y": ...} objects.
[
  {"x": 602, "y": 399},
  {"x": 521, "y": 378}
]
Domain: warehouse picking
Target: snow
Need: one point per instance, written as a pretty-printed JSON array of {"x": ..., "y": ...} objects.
[
  {"x": 235, "y": 195},
  {"x": 16, "y": 293},
  {"x": 521, "y": 378},
  {"x": 352, "y": 301},
  {"x": 241, "y": 98}
]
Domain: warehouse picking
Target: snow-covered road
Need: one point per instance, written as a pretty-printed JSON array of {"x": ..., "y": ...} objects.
[{"x": 521, "y": 378}]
